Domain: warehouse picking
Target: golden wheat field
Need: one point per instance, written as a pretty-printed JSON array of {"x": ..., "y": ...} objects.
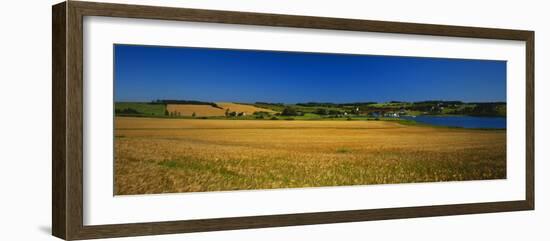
[
  {"x": 199, "y": 110},
  {"x": 192, "y": 155},
  {"x": 208, "y": 110},
  {"x": 248, "y": 109}
]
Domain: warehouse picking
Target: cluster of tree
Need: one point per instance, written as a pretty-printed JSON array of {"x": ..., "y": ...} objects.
[
  {"x": 127, "y": 111},
  {"x": 434, "y": 106},
  {"x": 291, "y": 111},
  {"x": 184, "y": 102},
  {"x": 426, "y": 107},
  {"x": 174, "y": 113},
  {"x": 324, "y": 111},
  {"x": 268, "y": 103},
  {"x": 480, "y": 109},
  {"x": 459, "y": 107},
  {"x": 229, "y": 113},
  {"x": 261, "y": 113}
]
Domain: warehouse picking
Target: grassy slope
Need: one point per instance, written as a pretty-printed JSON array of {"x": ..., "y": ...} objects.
[{"x": 144, "y": 108}]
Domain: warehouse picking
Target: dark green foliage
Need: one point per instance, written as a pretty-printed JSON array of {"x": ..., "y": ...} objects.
[
  {"x": 267, "y": 103},
  {"x": 334, "y": 112},
  {"x": 261, "y": 113},
  {"x": 184, "y": 102},
  {"x": 141, "y": 109},
  {"x": 289, "y": 111},
  {"x": 127, "y": 111},
  {"x": 322, "y": 111},
  {"x": 482, "y": 109}
]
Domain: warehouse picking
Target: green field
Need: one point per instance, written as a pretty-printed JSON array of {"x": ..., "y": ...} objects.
[{"x": 143, "y": 109}]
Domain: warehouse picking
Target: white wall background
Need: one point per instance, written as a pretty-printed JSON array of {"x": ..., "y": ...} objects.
[{"x": 25, "y": 119}]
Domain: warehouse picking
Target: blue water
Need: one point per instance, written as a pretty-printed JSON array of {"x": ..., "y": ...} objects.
[{"x": 461, "y": 121}]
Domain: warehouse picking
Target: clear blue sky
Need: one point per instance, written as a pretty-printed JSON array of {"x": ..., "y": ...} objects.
[{"x": 145, "y": 73}]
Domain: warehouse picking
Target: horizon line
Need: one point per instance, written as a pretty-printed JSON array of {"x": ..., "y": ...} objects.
[{"x": 306, "y": 102}]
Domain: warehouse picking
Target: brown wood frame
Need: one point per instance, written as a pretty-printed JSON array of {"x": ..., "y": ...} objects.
[{"x": 67, "y": 123}]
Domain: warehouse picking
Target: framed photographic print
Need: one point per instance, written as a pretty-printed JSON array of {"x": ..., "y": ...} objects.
[{"x": 171, "y": 120}]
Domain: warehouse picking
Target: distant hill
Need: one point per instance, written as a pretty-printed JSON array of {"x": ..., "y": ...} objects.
[
  {"x": 248, "y": 109},
  {"x": 207, "y": 110},
  {"x": 194, "y": 110},
  {"x": 191, "y": 108}
]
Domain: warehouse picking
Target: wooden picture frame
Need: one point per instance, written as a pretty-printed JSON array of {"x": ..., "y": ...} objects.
[{"x": 67, "y": 123}]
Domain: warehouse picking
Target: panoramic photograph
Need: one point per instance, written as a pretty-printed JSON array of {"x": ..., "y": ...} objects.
[{"x": 190, "y": 119}]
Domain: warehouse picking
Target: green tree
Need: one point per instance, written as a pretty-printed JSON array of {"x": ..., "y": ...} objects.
[
  {"x": 334, "y": 112},
  {"x": 289, "y": 111},
  {"x": 321, "y": 111}
]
